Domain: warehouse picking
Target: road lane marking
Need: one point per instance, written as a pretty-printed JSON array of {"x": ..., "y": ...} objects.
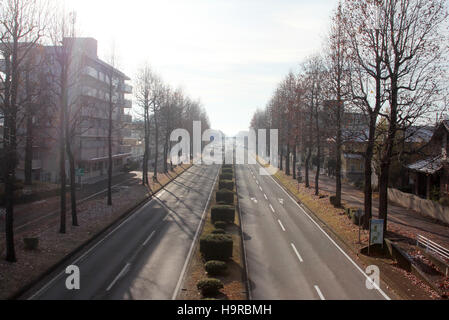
[
  {"x": 296, "y": 252},
  {"x": 271, "y": 207},
  {"x": 184, "y": 268},
  {"x": 99, "y": 242},
  {"x": 120, "y": 275},
  {"x": 148, "y": 239},
  {"x": 332, "y": 241},
  {"x": 319, "y": 293},
  {"x": 281, "y": 201},
  {"x": 260, "y": 188},
  {"x": 265, "y": 196},
  {"x": 282, "y": 226}
]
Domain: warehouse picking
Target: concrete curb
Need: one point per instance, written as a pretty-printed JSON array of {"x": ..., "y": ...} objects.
[{"x": 24, "y": 290}]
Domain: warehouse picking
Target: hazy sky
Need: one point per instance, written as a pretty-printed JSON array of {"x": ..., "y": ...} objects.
[{"x": 230, "y": 54}]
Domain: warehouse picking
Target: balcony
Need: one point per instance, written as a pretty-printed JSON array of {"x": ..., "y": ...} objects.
[
  {"x": 127, "y": 103},
  {"x": 91, "y": 72},
  {"x": 127, "y": 88},
  {"x": 127, "y": 118}
]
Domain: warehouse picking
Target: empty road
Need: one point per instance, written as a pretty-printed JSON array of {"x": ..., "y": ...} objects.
[
  {"x": 144, "y": 256},
  {"x": 289, "y": 256}
]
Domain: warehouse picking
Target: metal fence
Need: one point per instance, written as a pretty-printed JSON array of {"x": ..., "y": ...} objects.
[{"x": 431, "y": 246}]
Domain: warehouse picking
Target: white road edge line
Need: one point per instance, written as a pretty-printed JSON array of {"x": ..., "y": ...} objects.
[
  {"x": 148, "y": 239},
  {"x": 296, "y": 252},
  {"x": 184, "y": 268},
  {"x": 48, "y": 284},
  {"x": 271, "y": 207},
  {"x": 121, "y": 274},
  {"x": 282, "y": 226},
  {"x": 319, "y": 293},
  {"x": 332, "y": 241}
]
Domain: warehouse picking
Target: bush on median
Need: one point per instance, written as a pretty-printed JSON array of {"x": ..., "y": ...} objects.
[
  {"x": 209, "y": 286},
  {"x": 227, "y": 170},
  {"x": 216, "y": 247},
  {"x": 226, "y": 176},
  {"x": 218, "y": 231},
  {"x": 225, "y": 213},
  {"x": 225, "y": 196},
  {"x": 215, "y": 267},
  {"x": 226, "y": 184},
  {"x": 220, "y": 225}
]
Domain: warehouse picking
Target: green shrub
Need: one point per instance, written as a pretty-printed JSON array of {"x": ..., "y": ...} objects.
[
  {"x": 333, "y": 200},
  {"x": 225, "y": 196},
  {"x": 227, "y": 170},
  {"x": 220, "y": 225},
  {"x": 226, "y": 176},
  {"x": 227, "y": 166},
  {"x": 209, "y": 286},
  {"x": 216, "y": 247},
  {"x": 226, "y": 184},
  {"x": 218, "y": 231},
  {"x": 224, "y": 213},
  {"x": 215, "y": 267}
]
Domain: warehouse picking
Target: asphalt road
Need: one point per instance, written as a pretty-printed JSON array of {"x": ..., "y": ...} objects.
[
  {"x": 144, "y": 257},
  {"x": 289, "y": 256}
]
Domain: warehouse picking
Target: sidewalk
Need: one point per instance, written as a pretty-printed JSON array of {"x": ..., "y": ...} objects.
[{"x": 405, "y": 222}]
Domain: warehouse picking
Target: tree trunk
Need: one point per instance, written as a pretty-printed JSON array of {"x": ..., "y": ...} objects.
[
  {"x": 29, "y": 149},
  {"x": 72, "y": 185},
  {"x": 62, "y": 226},
  {"x": 294, "y": 161},
  {"x": 306, "y": 165},
  {"x": 110, "y": 164},
  {"x": 338, "y": 158},
  {"x": 156, "y": 147}
]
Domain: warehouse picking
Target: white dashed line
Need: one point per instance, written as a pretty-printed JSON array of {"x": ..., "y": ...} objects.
[
  {"x": 296, "y": 252},
  {"x": 121, "y": 274},
  {"x": 282, "y": 226},
  {"x": 319, "y": 293},
  {"x": 260, "y": 188},
  {"x": 271, "y": 207},
  {"x": 265, "y": 196},
  {"x": 148, "y": 239}
]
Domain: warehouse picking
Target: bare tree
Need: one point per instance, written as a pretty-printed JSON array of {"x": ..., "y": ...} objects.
[
  {"x": 21, "y": 28},
  {"x": 414, "y": 62}
]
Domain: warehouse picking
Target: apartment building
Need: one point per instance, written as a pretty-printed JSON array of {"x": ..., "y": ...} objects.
[{"x": 88, "y": 109}]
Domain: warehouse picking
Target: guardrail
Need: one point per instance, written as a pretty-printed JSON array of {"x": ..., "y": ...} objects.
[{"x": 434, "y": 247}]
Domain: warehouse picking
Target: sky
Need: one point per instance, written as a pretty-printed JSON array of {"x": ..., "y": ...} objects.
[{"x": 229, "y": 54}]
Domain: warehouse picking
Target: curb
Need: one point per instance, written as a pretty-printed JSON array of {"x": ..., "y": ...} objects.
[
  {"x": 23, "y": 291},
  {"x": 242, "y": 241}
]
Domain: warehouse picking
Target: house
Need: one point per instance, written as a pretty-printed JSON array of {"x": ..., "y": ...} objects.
[{"x": 429, "y": 176}]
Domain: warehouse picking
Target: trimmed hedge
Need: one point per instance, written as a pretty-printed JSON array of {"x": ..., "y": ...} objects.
[
  {"x": 216, "y": 247},
  {"x": 226, "y": 176},
  {"x": 227, "y": 166},
  {"x": 209, "y": 286},
  {"x": 226, "y": 184},
  {"x": 225, "y": 213},
  {"x": 227, "y": 170},
  {"x": 225, "y": 196},
  {"x": 220, "y": 225},
  {"x": 215, "y": 267},
  {"x": 218, "y": 231}
]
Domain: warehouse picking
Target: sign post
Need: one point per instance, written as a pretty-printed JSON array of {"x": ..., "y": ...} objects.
[
  {"x": 376, "y": 232},
  {"x": 79, "y": 172}
]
